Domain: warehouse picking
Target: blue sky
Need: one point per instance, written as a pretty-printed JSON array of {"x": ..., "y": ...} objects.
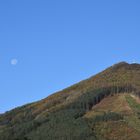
[{"x": 55, "y": 43}]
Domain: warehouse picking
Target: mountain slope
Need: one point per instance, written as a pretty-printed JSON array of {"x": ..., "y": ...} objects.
[{"x": 103, "y": 107}]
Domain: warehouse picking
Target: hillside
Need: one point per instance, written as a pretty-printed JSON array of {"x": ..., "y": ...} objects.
[{"x": 103, "y": 107}]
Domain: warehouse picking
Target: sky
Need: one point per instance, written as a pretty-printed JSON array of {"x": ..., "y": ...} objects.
[{"x": 48, "y": 45}]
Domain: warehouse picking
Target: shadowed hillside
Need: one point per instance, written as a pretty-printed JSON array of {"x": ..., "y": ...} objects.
[{"x": 103, "y": 107}]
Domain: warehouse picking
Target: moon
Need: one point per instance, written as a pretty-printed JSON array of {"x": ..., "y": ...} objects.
[{"x": 14, "y": 61}]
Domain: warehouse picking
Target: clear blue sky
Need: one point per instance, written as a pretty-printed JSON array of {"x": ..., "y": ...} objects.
[{"x": 60, "y": 42}]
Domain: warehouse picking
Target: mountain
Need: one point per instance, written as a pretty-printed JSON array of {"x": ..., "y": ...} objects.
[{"x": 103, "y": 107}]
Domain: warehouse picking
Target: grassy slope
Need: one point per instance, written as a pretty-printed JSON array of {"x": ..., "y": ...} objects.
[
  {"x": 125, "y": 128},
  {"x": 63, "y": 115}
]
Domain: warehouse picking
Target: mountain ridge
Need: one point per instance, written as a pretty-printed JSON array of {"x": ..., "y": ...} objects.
[{"x": 61, "y": 115}]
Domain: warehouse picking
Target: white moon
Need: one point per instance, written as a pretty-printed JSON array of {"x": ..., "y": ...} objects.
[{"x": 14, "y": 61}]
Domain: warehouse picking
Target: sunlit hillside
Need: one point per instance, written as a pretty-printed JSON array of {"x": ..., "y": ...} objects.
[{"x": 103, "y": 107}]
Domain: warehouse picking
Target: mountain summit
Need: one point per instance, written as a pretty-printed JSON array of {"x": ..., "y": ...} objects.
[{"x": 103, "y": 107}]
